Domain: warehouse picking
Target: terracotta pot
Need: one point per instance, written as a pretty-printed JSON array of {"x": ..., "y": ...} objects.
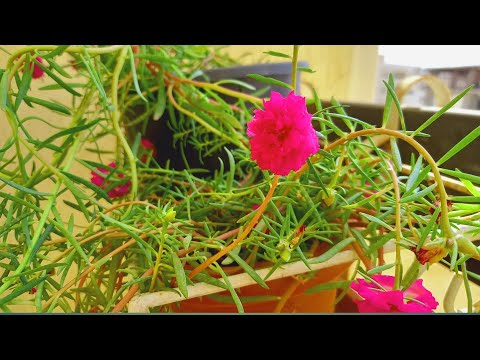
[{"x": 298, "y": 302}]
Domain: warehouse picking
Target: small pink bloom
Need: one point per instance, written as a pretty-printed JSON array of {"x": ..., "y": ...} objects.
[
  {"x": 436, "y": 204},
  {"x": 416, "y": 299},
  {"x": 37, "y": 71},
  {"x": 119, "y": 190},
  {"x": 282, "y": 135},
  {"x": 373, "y": 191},
  {"x": 148, "y": 146}
]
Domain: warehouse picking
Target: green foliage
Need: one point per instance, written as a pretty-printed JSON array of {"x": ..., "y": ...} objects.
[{"x": 179, "y": 218}]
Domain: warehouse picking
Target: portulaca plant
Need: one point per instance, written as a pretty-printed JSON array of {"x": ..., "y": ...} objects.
[{"x": 290, "y": 187}]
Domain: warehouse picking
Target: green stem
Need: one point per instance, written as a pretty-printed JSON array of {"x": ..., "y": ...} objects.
[
  {"x": 71, "y": 49},
  {"x": 44, "y": 217},
  {"x": 236, "y": 94},
  {"x": 220, "y": 89},
  {"x": 16, "y": 138},
  {"x": 294, "y": 66},
  {"x": 116, "y": 125},
  {"x": 201, "y": 121},
  {"x": 444, "y": 220},
  {"x": 468, "y": 291},
  {"x": 17, "y": 66},
  {"x": 40, "y": 174},
  {"x": 333, "y": 182},
  {"x": 158, "y": 260},
  {"x": 412, "y": 274},
  {"x": 112, "y": 274},
  {"x": 244, "y": 233},
  {"x": 398, "y": 228}
]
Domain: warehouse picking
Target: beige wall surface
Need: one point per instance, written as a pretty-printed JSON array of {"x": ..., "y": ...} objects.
[
  {"x": 348, "y": 72},
  {"x": 41, "y": 131}
]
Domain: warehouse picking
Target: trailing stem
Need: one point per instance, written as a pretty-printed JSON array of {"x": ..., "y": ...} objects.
[{"x": 444, "y": 220}]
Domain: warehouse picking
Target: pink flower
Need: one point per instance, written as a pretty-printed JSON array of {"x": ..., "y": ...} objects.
[
  {"x": 148, "y": 147},
  {"x": 416, "y": 299},
  {"x": 436, "y": 204},
  {"x": 119, "y": 190},
  {"x": 282, "y": 135},
  {"x": 37, "y": 71},
  {"x": 373, "y": 191}
]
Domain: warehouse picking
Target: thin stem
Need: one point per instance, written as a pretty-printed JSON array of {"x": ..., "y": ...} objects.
[
  {"x": 244, "y": 233},
  {"x": 16, "y": 67},
  {"x": 88, "y": 239},
  {"x": 218, "y": 88},
  {"x": 70, "y": 49},
  {"x": 445, "y": 222},
  {"x": 117, "y": 206},
  {"x": 468, "y": 291},
  {"x": 398, "y": 228},
  {"x": 58, "y": 157},
  {"x": 451, "y": 294},
  {"x": 362, "y": 256},
  {"x": 340, "y": 160},
  {"x": 294, "y": 66},
  {"x": 87, "y": 271},
  {"x": 130, "y": 294},
  {"x": 116, "y": 124},
  {"x": 200, "y": 120},
  {"x": 157, "y": 262},
  {"x": 46, "y": 212}
]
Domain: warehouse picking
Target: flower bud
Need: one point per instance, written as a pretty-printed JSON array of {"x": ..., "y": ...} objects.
[
  {"x": 170, "y": 215},
  {"x": 467, "y": 247},
  {"x": 286, "y": 254},
  {"x": 329, "y": 199},
  {"x": 430, "y": 253}
]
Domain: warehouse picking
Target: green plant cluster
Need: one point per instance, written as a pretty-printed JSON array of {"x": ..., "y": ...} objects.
[{"x": 75, "y": 249}]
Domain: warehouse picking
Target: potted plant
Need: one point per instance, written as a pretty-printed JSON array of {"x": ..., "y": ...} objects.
[{"x": 274, "y": 228}]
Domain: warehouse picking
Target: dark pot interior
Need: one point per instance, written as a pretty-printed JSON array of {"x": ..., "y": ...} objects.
[
  {"x": 447, "y": 131},
  {"x": 163, "y": 137}
]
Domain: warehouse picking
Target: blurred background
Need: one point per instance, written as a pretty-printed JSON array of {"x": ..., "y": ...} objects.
[{"x": 354, "y": 73}]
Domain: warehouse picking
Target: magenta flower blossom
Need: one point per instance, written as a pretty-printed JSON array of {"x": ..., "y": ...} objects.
[
  {"x": 373, "y": 191},
  {"x": 147, "y": 146},
  {"x": 282, "y": 135},
  {"x": 37, "y": 71},
  {"x": 416, "y": 299},
  {"x": 436, "y": 204},
  {"x": 117, "y": 191}
]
